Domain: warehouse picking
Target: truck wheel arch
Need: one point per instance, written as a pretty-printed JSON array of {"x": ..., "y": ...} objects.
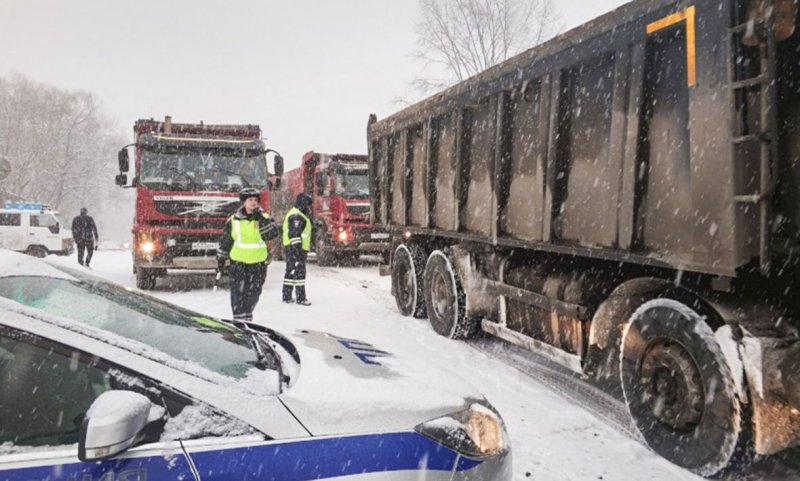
[{"x": 611, "y": 316}]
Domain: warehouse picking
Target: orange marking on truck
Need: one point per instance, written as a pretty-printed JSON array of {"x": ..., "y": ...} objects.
[{"x": 687, "y": 15}]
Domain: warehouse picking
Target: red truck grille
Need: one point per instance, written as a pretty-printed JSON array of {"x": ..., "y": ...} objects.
[
  {"x": 190, "y": 224},
  {"x": 359, "y": 210}
]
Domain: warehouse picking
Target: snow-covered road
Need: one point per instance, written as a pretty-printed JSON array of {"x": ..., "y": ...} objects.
[{"x": 554, "y": 438}]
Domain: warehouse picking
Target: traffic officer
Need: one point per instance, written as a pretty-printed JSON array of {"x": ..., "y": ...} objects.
[
  {"x": 296, "y": 244},
  {"x": 244, "y": 242}
]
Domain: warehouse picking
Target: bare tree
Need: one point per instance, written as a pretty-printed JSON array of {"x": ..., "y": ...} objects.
[
  {"x": 61, "y": 147},
  {"x": 460, "y": 38}
]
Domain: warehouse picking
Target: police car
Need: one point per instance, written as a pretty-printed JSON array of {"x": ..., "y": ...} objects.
[
  {"x": 34, "y": 229},
  {"x": 99, "y": 382}
]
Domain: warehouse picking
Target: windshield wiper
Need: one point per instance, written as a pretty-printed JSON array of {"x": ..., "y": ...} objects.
[
  {"x": 189, "y": 177},
  {"x": 266, "y": 355},
  {"x": 221, "y": 170}
]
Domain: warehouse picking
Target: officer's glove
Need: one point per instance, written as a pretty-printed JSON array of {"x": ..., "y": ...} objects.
[
  {"x": 269, "y": 231},
  {"x": 221, "y": 259}
]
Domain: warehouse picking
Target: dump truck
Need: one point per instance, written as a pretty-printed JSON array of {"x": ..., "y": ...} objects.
[
  {"x": 622, "y": 198},
  {"x": 339, "y": 187},
  {"x": 187, "y": 181}
]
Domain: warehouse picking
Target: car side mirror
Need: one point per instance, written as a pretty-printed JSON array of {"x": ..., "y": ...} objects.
[
  {"x": 55, "y": 228},
  {"x": 113, "y": 423},
  {"x": 278, "y": 166},
  {"x": 122, "y": 158},
  {"x": 121, "y": 179}
]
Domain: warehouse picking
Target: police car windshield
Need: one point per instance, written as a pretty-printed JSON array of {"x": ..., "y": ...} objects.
[
  {"x": 180, "y": 333},
  {"x": 193, "y": 170}
]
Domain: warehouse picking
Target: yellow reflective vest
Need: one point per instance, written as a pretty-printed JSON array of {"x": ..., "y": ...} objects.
[
  {"x": 305, "y": 236},
  {"x": 248, "y": 246}
]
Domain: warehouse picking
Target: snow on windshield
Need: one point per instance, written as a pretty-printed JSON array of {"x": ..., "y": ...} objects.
[{"x": 258, "y": 382}]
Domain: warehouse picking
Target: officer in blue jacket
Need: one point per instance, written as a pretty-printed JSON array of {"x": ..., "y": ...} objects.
[{"x": 296, "y": 244}]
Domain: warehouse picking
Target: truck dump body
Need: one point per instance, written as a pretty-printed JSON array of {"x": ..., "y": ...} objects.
[
  {"x": 624, "y": 200},
  {"x": 621, "y": 139}
]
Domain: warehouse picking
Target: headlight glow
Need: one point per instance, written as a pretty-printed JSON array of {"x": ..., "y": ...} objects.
[
  {"x": 343, "y": 236},
  {"x": 476, "y": 432},
  {"x": 147, "y": 247}
]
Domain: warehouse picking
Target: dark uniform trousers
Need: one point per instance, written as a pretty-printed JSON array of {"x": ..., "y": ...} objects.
[
  {"x": 295, "y": 277},
  {"x": 247, "y": 280},
  {"x": 88, "y": 246}
]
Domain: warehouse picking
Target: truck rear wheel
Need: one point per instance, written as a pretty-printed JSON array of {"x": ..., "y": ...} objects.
[
  {"x": 678, "y": 387},
  {"x": 445, "y": 299},
  {"x": 407, "y": 280},
  {"x": 145, "y": 279}
]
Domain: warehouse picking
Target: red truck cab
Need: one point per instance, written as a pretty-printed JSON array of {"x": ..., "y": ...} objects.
[
  {"x": 187, "y": 180},
  {"x": 339, "y": 187}
]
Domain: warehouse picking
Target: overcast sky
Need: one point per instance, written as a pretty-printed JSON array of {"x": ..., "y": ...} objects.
[{"x": 308, "y": 71}]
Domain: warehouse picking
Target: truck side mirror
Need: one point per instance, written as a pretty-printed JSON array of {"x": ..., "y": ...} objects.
[
  {"x": 278, "y": 166},
  {"x": 122, "y": 157},
  {"x": 121, "y": 179}
]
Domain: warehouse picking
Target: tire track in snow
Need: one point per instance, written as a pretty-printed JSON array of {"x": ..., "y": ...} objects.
[{"x": 563, "y": 382}]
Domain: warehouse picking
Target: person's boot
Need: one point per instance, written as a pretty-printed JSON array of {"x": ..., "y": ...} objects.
[
  {"x": 303, "y": 302},
  {"x": 288, "y": 301}
]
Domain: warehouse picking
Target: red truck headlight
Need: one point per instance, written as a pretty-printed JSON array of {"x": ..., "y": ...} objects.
[{"x": 147, "y": 244}]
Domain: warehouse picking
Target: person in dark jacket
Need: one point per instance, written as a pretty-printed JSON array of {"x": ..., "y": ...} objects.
[
  {"x": 244, "y": 243},
  {"x": 84, "y": 232},
  {"x": 296, "y": 244}
]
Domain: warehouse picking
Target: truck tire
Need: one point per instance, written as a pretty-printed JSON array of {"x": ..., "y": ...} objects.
[
  {"x": 36, "y": 251},
  {"x": 407, "y": 280},
  {"x": 145, "y": 279},
  {"x": 679, "y": 388},
  {"x": 445, "y": 299},
  {"x": 325, "y": 254}
]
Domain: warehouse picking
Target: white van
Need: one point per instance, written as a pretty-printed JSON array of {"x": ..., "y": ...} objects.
[{"x": 31, "y": 229}]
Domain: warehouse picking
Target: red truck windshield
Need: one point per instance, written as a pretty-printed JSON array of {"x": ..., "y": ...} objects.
[
  {"x": 202, "y": 170},
  {"x": 352, "y": 183}
]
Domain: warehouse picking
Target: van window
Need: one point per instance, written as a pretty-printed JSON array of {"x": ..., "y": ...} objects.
[
  {"x": 10, "y": 219},
  {"x": 45, "y": 220}
]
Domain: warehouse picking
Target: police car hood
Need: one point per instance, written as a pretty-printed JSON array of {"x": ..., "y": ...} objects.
[{"x": 349, "y": 386}]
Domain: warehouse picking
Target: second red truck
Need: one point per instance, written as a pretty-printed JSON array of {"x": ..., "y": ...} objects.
[{"x": 339, "y": 185}]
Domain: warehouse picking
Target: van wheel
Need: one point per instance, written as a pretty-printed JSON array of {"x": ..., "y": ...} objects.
[
  {"x": 36, "y": 251},
  {"x": 446, "y": 300},
  {"x": 145, "y": 279},
  {"x": 407, "y": 281},
  {"x": 678, "y": 387}
]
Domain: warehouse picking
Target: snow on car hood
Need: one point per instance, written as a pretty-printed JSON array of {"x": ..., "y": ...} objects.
[
  {"x": 348, "y": 386},
  {"x": 17, "y": 264}
]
